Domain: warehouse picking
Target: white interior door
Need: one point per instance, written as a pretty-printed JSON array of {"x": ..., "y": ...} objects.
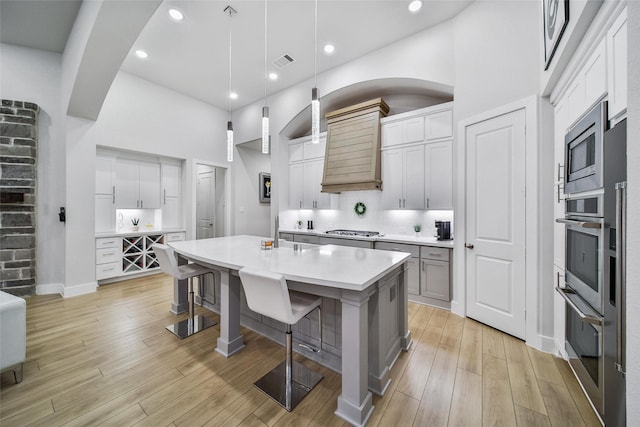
[
  {"x": 205, "y": 204},
  {"x": 495, "y": 222}
]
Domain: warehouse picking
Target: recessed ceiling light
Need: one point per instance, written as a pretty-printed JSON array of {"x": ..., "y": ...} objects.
[
  {"x": 329, "y": 48},
  {"x": 273, "y": 76},
  {"x": 142, "y": 54},
  {"x": 176, "y": 14},
  {"x": 415, "y": 6},
  {"x": 233, "y": 95}
]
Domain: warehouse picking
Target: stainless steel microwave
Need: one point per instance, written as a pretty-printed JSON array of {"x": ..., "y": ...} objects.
[{"x": 583, "y": 151}]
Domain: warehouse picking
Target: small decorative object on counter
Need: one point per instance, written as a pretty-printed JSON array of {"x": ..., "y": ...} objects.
[
  {"x": 266, "y": 244},
  {"x": 360, "y": 208},
  {"x": 417, "y": 228},
  {"x": 135, "y": 221},
  {"x": 299, "y": 224}
]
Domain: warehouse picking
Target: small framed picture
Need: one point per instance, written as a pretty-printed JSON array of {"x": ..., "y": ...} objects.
[
  {"x": 555, "y": 20},
  {"x": 264, "y": 187}
]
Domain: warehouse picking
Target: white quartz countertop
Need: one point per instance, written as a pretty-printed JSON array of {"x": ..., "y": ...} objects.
[
  {"x": 396, "y": 238},
  {"x": 326, "y": 265},
  {"x": 145, "y": 232}
]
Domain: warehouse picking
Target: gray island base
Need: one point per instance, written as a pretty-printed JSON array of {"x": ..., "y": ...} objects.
[{"x": 364, "y": 309}]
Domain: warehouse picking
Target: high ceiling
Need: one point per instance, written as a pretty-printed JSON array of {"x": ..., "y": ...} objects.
[{"x": 192, "y": 56}]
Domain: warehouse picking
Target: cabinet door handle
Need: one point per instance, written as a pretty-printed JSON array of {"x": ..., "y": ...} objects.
[
  {"x": 468, "y": 245},
  {"x": 559, "y": 175},
  {"x": 137, "y": 203},
  {"x": 560, "y": 186},
  {"x": 165, "y": 196},
  {"x": 300, "y": 204},
  {"x": 400, "y": 202},
  {"x": 432, "y": 254},
  {"x": 114, "y": 194},
  {"x": 427, "y": 203}
]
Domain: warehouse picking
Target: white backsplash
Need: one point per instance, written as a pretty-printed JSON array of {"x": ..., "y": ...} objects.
[
  {"x": 150, "y": 219},
  {"x": 374, "y": 219}
]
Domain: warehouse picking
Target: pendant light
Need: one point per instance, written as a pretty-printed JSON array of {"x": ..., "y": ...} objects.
[
  {"x": 315, "y": 101},
  {"x": 229, "y": 10},
  {"x": 265, "y": 109}
]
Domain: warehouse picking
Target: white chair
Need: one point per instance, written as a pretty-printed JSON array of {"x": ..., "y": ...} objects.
[
  {"x": 168, "y": 263},
  {"x": 267, "y": 294},
  {"x": 13, "y": 334}
]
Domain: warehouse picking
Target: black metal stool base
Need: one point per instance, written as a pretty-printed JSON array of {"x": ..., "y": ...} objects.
[
  {"x": 274, "y": 384},
  {"x": 188, "y": 327}
]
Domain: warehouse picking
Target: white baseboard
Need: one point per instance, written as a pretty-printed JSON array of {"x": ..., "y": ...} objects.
[
  {"x": 50, "y": 289},
  {"x": 66, "y": 291},
  {"x": 85, "y": 288},
  {"x": 542, "y": 343},
  {"x": 457, "y": 308}
]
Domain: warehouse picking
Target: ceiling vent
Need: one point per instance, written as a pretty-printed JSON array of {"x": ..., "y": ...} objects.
[{"x": 283, "y": 61}]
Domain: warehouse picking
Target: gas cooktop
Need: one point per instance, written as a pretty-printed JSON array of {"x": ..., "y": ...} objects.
[{"x": 359, "y": 233}]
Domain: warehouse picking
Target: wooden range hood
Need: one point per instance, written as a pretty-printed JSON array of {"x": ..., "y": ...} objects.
[{"x": 352, "y": 157}]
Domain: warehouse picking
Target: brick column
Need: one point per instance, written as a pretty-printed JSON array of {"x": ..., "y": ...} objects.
[{"x": 18, "y": 185}]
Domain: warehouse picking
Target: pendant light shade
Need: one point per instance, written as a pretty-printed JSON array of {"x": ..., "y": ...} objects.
[
  {"x": 229, "y": 141},
  {"x": 315, "y": 116},
  {"x": 265, "y": 130}
]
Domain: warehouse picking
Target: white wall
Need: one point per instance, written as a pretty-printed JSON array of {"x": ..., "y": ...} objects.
[
  {"x": 252, "y": 217},
  {"x": 34, "y": 76},
  {"x": 137, "y": 116},
  {"x": 633, "y": 207},
  {"x": 497, "y": 55}
]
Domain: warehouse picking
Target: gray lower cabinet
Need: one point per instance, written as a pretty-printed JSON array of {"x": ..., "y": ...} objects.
[
  {"x": 413, "y": 286},
  {"x": 435, "y": 273}
]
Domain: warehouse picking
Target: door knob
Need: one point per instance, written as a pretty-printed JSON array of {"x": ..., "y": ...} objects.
[{"x": 468, "y": 245}]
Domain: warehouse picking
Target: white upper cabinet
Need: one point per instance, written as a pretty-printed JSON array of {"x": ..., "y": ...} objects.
[
  {"x": 617, "y": 65},
  {"x": 171, "y": 195},
  {"x": 305, "y": 174},
  {"x": 171, "y": 180},
  {"x": 589, "y": 85},
  {"x": 439, "y": 125},
  {"x": 417, "y": 159},
  {"x": 105, "y": 174},
  {"x": 403, "y": 178},
  {"x": 137, "y": 184},
  {"x": 439, "y": 175},
  {"x": 404, "y": 131}
]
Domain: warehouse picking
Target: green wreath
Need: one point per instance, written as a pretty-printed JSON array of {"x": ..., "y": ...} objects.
[{"x": 360, "y": 208}]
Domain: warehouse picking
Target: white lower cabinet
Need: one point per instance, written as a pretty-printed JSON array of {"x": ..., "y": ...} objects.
[
  {"x": 108, "y": 257},
  {"x": 120, "y": 256}
]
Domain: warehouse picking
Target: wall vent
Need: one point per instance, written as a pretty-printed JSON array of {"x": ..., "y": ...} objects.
[{"x": 283, "y": 61}]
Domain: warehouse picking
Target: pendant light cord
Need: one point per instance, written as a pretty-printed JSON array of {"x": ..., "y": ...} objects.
[
  {"x": 315, "y": 45},
  {"x": 265, "y": 53},
  {"x": 229, "y": 94}
]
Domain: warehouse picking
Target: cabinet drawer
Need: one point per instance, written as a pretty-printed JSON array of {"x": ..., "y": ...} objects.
[
  {"x": 174, "y": 237},
  {"x": 112, "y": 269},
  {"x": 104, "y": 256},
  {"x": 108, "y": 242},
  {"x": 430, "y": 252},
  {"x": 287, "y": 236},
  {"x": 345, "y": 242},
  {"x": 399, "y": 247}
]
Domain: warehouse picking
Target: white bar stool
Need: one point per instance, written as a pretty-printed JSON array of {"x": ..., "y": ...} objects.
[
  {"x": 168, "y": 263},
  {"x": 267, "y": 294}
]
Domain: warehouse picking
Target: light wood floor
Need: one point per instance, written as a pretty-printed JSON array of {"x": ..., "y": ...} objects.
[{"x": 106, "y": 358}]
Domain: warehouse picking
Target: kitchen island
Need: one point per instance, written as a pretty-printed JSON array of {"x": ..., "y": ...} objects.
[{"x": 370, "y": 286}]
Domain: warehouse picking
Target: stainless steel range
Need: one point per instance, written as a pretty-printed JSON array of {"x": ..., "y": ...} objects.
[{"x": 357, "y": 233}]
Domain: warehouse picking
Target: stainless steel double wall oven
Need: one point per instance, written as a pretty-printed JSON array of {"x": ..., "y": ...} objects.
[{"x": 594, "y": 288}]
